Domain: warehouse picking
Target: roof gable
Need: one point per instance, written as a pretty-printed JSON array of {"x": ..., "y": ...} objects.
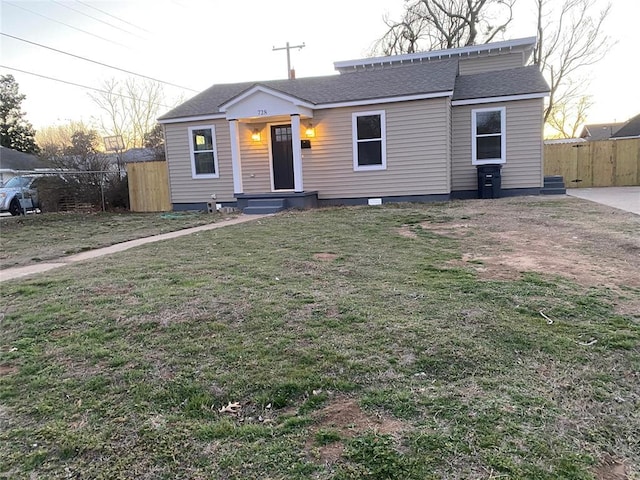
[{"x": 261, "y": 101}]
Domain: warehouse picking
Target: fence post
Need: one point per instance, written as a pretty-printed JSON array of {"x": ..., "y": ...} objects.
[{"x": 102, "y": 190}]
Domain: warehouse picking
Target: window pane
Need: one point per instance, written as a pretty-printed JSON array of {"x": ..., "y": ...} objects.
[
  {"x": 370, "y": 153},
  {"x": 202, "y": 139},
  {"x": 488, "y": 122},
  {"x": 369, "y": 127},
  {"x": 488, "y": 147},
  {"x": 204, "y": 163}
]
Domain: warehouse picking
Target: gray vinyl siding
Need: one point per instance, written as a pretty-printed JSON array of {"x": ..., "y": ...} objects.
[
  {"x": 523, "y": 167},
  {"x": 417, "y": 152},
  {"x": 185, "y": 188},
  {"x": 468, "y": 66}
]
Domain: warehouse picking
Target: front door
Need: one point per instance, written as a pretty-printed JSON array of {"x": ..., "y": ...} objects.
[{"x": 282, "y": 157}]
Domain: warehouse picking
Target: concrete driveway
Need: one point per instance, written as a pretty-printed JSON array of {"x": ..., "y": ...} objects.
[{"x": 624, "y": 198}]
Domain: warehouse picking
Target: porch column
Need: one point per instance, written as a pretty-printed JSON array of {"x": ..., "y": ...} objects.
[
  {"x": 297, "y": 153},
  {"x": 236, "y": 166}
]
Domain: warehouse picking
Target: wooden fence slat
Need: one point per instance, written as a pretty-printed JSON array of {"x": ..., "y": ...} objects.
[
  {"x": 148, "y": 187},
  {"x": 604, "y": 163}
]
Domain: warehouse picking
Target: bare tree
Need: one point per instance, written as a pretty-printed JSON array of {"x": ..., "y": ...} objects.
[
  {"x": 129, "y": 109},
  {"x": 568, "y": 116},
  {"x": 569, "y": 39},
  {"x": 55, "y": 139},
  {"x": 441, "y": 24}
]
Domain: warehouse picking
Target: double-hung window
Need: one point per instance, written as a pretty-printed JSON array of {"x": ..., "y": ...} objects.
[
  {"x": 369, "y": 141},
  {"x": 204, "y": 158},
  {"x": 488, "y": 136}
]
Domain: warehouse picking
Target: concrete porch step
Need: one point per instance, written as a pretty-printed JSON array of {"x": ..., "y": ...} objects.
[
  {"x": 260, "y": 206},
  {"x": 553, "y": 185}
]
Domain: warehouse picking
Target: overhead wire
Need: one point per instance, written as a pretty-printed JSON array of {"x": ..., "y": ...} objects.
[
  {"x": 84, "y": 86},
  {"x": 112, "y": 16},
  {"x": 96, "y": 62},
  {"x": 96, "y": 19},
  {"x": 65, "y": 24}
]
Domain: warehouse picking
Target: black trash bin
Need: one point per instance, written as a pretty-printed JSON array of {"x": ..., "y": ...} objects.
[{"x": 489, "y": 181}]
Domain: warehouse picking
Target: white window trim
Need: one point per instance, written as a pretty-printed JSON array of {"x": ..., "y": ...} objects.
[
  {"x": 383, "y": 135},
  {"x": 192, "y": 152},
  {"x": 503, "y": 136}
]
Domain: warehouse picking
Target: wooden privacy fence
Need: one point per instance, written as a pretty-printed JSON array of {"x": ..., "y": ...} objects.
[
  {"x": 604, "y": 163},
  {"x": 148, "y": 187}
]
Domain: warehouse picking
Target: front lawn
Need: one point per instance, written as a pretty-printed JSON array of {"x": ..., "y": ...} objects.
[
  {"x": 479, "y": 339},
  {"x": 36, "y": 238}
]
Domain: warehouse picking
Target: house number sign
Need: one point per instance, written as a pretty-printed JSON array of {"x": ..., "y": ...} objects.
[{"x": 262, "y": 112}]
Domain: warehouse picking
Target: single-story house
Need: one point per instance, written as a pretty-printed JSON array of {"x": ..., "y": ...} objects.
[
  {"x": 14, "y": 163},
  {"x": 411, "y": 127},
  {"x": 600, "y": 131}
]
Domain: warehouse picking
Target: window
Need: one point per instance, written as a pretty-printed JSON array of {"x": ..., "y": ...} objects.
[
  {"x": 204, "y": 159},
  {"x": 488, "y": 138},
  {"x": 369, "y": 141}
]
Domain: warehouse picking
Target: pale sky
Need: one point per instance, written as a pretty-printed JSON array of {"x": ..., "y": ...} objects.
[{"x": 197, "y": 43}]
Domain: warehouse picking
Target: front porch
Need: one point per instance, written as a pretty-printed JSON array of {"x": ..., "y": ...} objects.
[{"x": 261, "y": 203}]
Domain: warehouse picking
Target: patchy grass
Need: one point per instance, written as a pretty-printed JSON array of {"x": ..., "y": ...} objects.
[
  {"x": 329, "y": 345},
  {"x": 36, "y": 238}
]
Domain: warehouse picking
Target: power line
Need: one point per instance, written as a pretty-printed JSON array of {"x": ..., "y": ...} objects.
[
  {"x": 96, "y": 19},
  {"x": 96, "y": 62},
  {"x": 84, "y": 86},
  {"x": 65, "y": 24},
  {"x": 113, "y": 16}
]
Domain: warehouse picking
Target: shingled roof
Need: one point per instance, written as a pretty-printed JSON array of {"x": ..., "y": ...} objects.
[
  {"x": 630, "y": 129},
  {"x": 14, "y": 160},
  {"x": 380, "y": 82},
  {"x": 515, "y": 81}
]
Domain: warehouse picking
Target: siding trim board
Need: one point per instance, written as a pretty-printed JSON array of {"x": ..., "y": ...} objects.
[{"x": 507, "y": 98}]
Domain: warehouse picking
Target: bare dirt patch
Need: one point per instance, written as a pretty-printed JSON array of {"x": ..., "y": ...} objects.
[
  {"x": 405, "y": 231},
  {"x": 7, "y": 370},
  {"x": 592, "y": 245},
  {"x": 344, "y": 416},
  {"x": 326, "y": 257},
  {"x": 611, "y": 469}
]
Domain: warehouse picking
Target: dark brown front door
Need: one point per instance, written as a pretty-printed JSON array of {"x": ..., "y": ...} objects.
[{"x": 282, "y": 156}]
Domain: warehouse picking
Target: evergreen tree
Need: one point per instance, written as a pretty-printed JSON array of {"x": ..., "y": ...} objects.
[{"x": 15, "y": 131}]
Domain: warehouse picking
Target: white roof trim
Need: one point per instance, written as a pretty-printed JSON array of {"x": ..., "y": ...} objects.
[
  {"x": 623, "y": 138},
  {"x": 269, "y": 91},
  {"x": 377, "y": 101},
  {"x": 506, "y": 98},
  {"x": 196, "y": 118},
  {"x": 437, "y": 54}
]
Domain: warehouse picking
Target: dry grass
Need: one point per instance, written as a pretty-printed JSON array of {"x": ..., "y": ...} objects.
[{"x": 395, "y": 342}]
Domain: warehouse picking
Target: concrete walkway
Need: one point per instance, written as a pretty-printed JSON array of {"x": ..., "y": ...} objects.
[
  {"x": 18, "y": 272},
  {"x": 624, "y": 198}
]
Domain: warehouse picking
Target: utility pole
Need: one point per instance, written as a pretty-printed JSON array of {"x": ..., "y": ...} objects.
[{"x": 288, "y": 48}]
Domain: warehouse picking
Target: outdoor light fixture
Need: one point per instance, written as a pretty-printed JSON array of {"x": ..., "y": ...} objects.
[
  {"x": 310, "y": 132},
  {"x": 255, "y": 135}
]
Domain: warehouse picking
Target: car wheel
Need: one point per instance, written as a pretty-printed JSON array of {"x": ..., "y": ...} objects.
[{"x": 14, "y": 207}]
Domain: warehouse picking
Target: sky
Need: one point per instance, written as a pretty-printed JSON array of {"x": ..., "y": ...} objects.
[{"x": 197, "y": 43}]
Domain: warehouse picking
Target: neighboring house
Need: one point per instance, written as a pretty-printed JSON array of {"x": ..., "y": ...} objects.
[
  {"x": 14, "y": 163},
  {"x": 609, "y": 131},
  {"x": 600, "y": 131},
  {"x": 410, "y": 127},
  {"x": 134, "y": 155},
  {"x": 631, "y": 129}
]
